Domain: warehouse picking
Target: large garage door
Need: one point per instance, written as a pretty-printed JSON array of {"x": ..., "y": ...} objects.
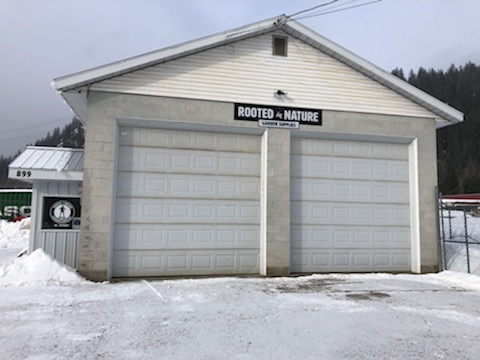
[
  {"x": 187, "y": 203},
  {"x": 349, "y": 206}
]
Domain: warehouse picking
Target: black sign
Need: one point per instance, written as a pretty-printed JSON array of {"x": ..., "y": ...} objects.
[
  {"x": 251, "y": 112},
  {"x": 61, "y": 213}
]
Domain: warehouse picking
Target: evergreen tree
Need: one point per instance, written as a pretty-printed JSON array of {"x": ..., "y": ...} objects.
[
  {"x": 398, "y": 73},
  {"x": 5, "y": 182},
  {"x": 458, "y": 145},
  {"x": 72, "y": 136}
]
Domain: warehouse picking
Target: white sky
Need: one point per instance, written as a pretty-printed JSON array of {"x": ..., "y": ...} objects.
[{"x": 43, "y": 40}]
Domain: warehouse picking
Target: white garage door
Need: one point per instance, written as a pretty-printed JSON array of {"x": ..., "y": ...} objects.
[
  {"x": 187, "y": 203},
  {"x": 349, "y": 206}
]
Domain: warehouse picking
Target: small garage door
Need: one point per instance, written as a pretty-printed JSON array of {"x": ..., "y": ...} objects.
[
  {"x": 349, "y": 206},
  {"x": 187, "y": 203}
]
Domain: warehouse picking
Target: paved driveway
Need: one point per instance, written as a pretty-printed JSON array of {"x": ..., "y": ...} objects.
[{"x": 315, "y": 317}]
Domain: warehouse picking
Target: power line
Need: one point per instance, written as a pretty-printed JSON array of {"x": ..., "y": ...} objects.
[
  {"x": 324, "y": 10},
  {"x": 329, "y": 10},
  {"x": 311, "y": 9},
  {"x": 342, "y": 9}
]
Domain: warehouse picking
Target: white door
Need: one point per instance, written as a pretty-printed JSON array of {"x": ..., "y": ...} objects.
[
  {"x": 349, "y": 206},
  {"x": 187, "y": 203}
]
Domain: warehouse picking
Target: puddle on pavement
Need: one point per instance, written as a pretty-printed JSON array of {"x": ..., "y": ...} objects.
[
  {"x": 310, "y": 286},
  {"x": 371, "y": 295},
  {"x": 328, "y": 287}
]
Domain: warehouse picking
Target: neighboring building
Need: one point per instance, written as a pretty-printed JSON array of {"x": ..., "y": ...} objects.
[
  {"x": 15, "y": 203},
  {"x": 265, "y": 150},
  {"x": 56, "y": 177},
  {"x": 469, "y": 202},
  {"x": 461, "y": 199}
]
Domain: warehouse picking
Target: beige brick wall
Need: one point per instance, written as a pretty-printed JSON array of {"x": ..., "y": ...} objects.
[
  {"x": 104, "y": 109},
  {"x": 277, "y": 198},
  {"x": 96, "y": 198}
]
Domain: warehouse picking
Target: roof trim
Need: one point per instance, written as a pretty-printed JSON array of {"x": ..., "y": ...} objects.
[
  {"x": 447, "y": 115},
  {"x": 87, "y": 77},
  {"x": 376, "y": 73}
]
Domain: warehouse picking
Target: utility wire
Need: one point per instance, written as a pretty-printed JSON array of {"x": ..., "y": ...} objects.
[
  {"x": 338, "y": 10},
  {"x": 311, "y": 9},
  {"x": 330, "y": 8},
  {"x": 328, "y": 11}
]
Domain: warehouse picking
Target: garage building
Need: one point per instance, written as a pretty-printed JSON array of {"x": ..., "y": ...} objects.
[{"x": 266, "y": 150}]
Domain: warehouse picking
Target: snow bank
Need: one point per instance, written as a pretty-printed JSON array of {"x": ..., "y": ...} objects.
[
  {"x": 14, "y": 235},
  {"x": 37, "y": 268},
  {"x": 465, "y": 281}
]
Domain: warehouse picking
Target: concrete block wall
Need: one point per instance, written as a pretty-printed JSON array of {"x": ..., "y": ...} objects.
[
  {"x": 98, "y": 164},
  {"x": 276, "y": 146},
  {"x": 106, "y": 109}
]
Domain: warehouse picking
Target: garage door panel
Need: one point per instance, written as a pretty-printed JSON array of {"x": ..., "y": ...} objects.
[
  {"x": 194, "y": 140},
  {"x": 187, "y": 203},
  {"x": 160, "y": 160},
  {"x": 145, "y": 211},
  {"x": 331, "y": 237},
  {"x": 171, "y": 263},
  {"x": 350, "y": 260},
  {"x": 170, "y": 236},
  {"x": 349, "y": 206},
  {"x": 142, "y": 184},
  {"x": 353, "y": 149},
  {"x": 331, "y": 213},
  {"x": 345, "y": 190},
  {"x": 306, "y": 166}
]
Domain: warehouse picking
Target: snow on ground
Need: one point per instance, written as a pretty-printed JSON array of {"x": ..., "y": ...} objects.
[
  {"x": 37, "y": 267},
  {"x": 13, "y": 238},
  {"x": 456, "y": 255},
  {"x": 58, "y": 315}
]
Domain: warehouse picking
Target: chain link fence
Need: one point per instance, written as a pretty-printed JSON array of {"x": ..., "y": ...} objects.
[{"x": 460, "y": 236}]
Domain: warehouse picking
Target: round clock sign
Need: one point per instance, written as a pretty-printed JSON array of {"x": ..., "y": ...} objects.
[{"x": 62, "y": 212}]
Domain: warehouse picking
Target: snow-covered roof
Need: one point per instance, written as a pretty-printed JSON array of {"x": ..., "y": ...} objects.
[
  {"x": 15, "y": 190},
  {"x": 71, "y": 86},
  {"x": 461, "y": 199},
  {"x": 47, "y": 163}
]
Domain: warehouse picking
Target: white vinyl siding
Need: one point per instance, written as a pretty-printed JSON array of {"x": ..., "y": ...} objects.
[
  {"x": 349, "y": 206},
  {"x": 247, "y": 71},
  {"x": 187, "y": 203}
]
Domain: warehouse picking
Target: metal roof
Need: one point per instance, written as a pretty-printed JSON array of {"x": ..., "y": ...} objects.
[
  {"x": 47, "y": 163},
  {"x": 73, "y": 86}
]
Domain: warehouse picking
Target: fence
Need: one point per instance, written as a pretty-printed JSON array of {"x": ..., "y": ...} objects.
[{"x": 460, "y": 236}]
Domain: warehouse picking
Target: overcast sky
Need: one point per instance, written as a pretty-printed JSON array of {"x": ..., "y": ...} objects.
[{"x": 44, "y": 40}]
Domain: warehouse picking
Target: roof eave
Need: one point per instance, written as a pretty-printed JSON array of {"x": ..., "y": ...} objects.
[
  {"x": 47, "y": 175},
  {"x": 402, "y": 87},
  {"x": 446, "y": 115},
  {"x": 87, "y": 77}
]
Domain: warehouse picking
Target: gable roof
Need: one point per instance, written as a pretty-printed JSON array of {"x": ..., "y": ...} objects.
[
  {"x": 48, "y": 163},
  {"x": 73, "y": 87}
]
